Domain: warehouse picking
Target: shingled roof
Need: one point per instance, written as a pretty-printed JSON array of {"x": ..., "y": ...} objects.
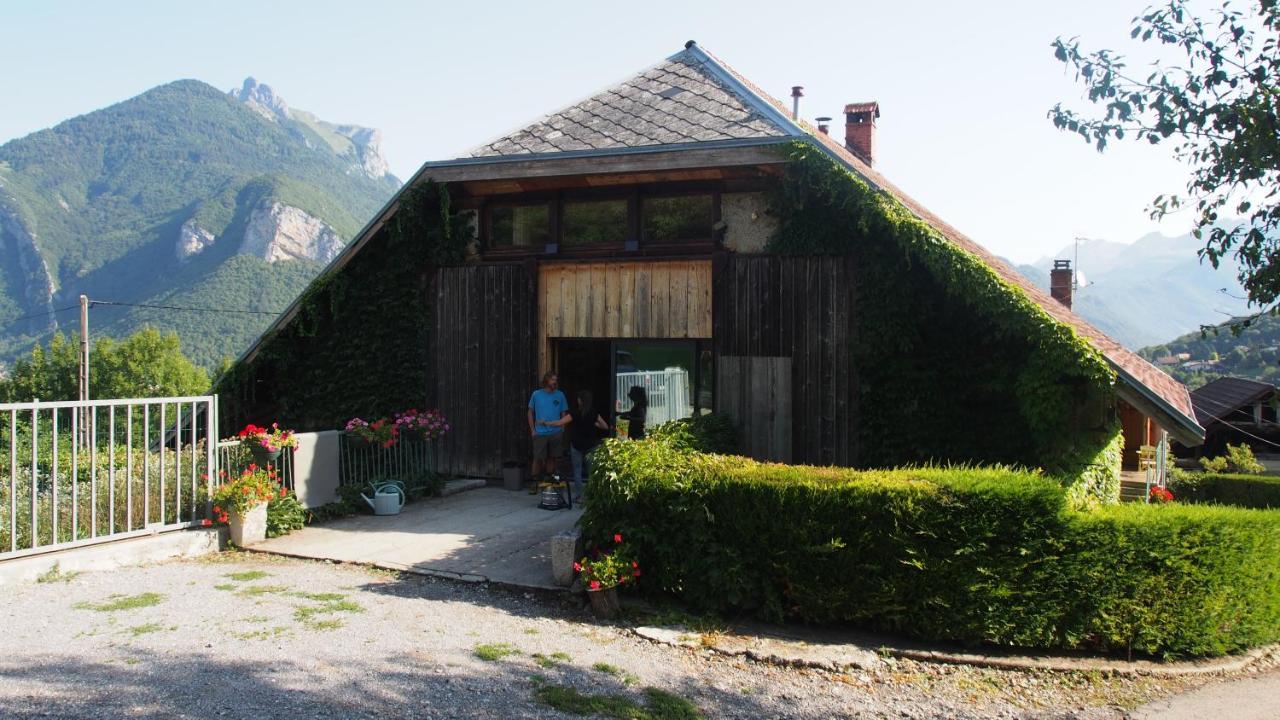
[
  {"x": 693, "y": 97},
  {"x": 1223, "y": 396},
  {"x": 680, "y": 100}
]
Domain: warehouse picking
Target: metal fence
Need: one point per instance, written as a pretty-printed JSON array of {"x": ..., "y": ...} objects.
[
  {"x": 80, "y": 472},
  {"x": 668, "y": 392},
  {"x": 413, "y": 462}
]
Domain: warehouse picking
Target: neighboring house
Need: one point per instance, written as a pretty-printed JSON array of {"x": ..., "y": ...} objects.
[
  {"x": 1236, "y": 410},
  {"x": 637, "y": 231}
]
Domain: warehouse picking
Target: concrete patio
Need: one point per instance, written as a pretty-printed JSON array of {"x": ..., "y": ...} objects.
[{"x": 483, "y": 535}]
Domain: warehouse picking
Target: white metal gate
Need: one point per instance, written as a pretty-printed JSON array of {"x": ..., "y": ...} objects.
[
  {"x": 667, "y": 390},
  {"x": 80, "y": 472}
]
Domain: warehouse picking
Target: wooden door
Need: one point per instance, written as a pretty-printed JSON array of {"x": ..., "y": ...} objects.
[
  {"x": 485, "y": 365},
  {"x": 755, "y": 391}
]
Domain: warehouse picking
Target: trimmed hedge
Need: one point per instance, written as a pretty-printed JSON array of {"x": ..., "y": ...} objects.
[
  {"x": 709, "y": 433},
  {"x": 973, "y": 555},
  {"x": 1248, "y": 491}
]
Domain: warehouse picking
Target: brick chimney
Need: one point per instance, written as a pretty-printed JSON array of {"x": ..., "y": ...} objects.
[
  {"x": 860, "y": 129},
  {"x": 1060, "y": 282}
]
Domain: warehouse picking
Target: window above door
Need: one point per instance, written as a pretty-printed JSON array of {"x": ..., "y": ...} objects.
[{"x": 602, "y": 222}]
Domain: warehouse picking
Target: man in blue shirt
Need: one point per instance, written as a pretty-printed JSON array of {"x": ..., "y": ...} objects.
[{"x": 547, "y": 405}]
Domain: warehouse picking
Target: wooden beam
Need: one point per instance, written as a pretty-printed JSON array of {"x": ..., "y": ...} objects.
[{"x": 686, "y": 159}]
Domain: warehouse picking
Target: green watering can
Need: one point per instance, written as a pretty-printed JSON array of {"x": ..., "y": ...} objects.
[{"x": 388, "y": 497}]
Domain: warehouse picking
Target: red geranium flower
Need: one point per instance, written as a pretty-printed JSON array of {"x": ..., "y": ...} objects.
[
  {"x": 617, "y": 538},
  {"x": 595, "y": 584}
]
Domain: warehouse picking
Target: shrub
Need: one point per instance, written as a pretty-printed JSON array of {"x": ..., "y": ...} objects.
[
  {"x": 285, "y": 514},
  {"x": 1239, "y": 460},
  {"x": 965, "y": 554},
  {"x": 1248, "y": 491},
  {"x": 702, "y": 433}
]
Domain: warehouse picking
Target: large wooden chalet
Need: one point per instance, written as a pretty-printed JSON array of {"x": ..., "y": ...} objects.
[{"x": 623, "y": 240}]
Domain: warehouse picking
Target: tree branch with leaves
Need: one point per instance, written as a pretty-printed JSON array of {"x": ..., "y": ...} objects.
[{"x": 1218, "y": 108}]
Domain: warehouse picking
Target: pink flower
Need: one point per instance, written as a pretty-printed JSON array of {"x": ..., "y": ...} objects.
[{"x": 595, "y": 584}]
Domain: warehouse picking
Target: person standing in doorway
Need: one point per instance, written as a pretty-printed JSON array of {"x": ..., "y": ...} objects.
[
  {"x": 547, "y": 409},
  {"x": 635, "y": 417},
  {"x": 586, "y": 429}
]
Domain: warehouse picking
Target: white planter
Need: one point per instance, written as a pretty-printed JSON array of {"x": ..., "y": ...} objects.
[{"x": 250, "y": 528}]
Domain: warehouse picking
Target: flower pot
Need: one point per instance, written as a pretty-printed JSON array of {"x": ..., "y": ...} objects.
[
  {"x": 249, "y": 528},
  {"x": 604, "y": 603},
  {"x": 263, "y": 456},
  {"x": 513, "y": 477}
]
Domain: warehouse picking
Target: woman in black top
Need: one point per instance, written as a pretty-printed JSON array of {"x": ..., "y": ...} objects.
[
  {"x": 636, "y": 415},
  {"x": 585, "y": 428}
]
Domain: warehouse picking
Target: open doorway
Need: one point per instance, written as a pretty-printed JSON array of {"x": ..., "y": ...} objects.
[
  {"x": 584, "y": 364},
  {"x": 675, "y": 374}
]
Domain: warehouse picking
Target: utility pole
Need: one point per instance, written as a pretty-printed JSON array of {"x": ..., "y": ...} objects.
[
  {"x": 84, "y": 348},
  {"x": 85, "y": 431}
]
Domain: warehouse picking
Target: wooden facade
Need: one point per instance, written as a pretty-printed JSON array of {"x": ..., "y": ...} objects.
[
  {"x": 799, "y": 308},
  {"x": 653, "y": 300},
  {"x": 485, "y": 364}
]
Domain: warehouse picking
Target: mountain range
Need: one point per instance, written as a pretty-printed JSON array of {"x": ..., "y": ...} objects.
[
  {"x": 1149, "y": 291},
  {"x": 185, "y": 197}
]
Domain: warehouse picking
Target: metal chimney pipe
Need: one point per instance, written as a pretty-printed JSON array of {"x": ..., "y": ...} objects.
[
  {"x": 797, "y": 92},
  {"x": 824, "y": 125}
]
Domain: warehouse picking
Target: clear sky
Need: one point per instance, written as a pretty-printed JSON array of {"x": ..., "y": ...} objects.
[{"x": 963, "y": 87}]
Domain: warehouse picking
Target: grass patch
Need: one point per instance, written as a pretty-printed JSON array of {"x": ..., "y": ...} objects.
[
  {"x": 493, "y": 652},
  {"x": 321, "y": 597},
  {"x": 254, "y": 590},
  {"x": 606, "y": 668},
  {"x": 658, "y": 705},
  {"x": 55, "y": 574},
  {"x": 263, "y": 634},
  {"x": 310, "y": 615},
  {"x": 248, "y": 575},
  {"x": 225, "y": 587},
  {"x": 123, "y": 602},
  {"x": 138, "y": 630},
  {"x": 552, "y": 660}
]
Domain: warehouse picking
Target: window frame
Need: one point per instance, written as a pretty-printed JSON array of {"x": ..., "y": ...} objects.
[{"x": 634, "y": 244}]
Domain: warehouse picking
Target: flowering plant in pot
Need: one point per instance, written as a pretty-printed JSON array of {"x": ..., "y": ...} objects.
[
  {"x": 429, "y": 425},
  {"x": 241, "y": 502},
  {"x": 1160, "y": 495},
  {"x": 266, "y": 444},
  {"x": 604, "y": 573},
  {"x": 379, "y": 432}
]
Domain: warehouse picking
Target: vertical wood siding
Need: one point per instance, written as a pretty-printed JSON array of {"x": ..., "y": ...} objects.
[
  {"x": 655, "y": 299},
  {"x": 757, "y": 391},
  {"x": 666, "y": 299},
  {"x": 797, "y": 307},
  {"x": 484, "y": 365}
]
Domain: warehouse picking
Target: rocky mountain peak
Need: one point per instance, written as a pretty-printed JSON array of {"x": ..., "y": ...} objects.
[{"x": 262, "y": 99}]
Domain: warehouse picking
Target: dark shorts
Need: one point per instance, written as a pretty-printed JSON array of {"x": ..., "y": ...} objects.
[{"x": 548, "y": 446}]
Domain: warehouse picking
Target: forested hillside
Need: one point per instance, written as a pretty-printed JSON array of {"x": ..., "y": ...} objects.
[
  {"x": 1248, "y": 351},
  {"x": 182, "y": 196}
]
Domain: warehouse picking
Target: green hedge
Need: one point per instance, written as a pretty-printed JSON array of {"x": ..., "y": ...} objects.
[
  {"x": 1249, "y": 491},
  {"x": 963, "y": 554},
  {"x": 702, "y": 433}
]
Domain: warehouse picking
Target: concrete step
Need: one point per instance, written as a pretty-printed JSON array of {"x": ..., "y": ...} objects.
[{"x": 453, "y": 487}]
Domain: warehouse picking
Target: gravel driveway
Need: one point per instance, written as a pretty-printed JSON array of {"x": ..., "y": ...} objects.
[{"x": 254, "y": 636}]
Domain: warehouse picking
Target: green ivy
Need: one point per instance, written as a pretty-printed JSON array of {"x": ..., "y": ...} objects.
[
  {"x": 953, "y": 362},
  {"x": 359, "y": 343}
]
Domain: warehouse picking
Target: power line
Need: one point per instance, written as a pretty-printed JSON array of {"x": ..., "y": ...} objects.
[
  {"x": 225, "y": 311},
  {"x": 33, "y": 316}
]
